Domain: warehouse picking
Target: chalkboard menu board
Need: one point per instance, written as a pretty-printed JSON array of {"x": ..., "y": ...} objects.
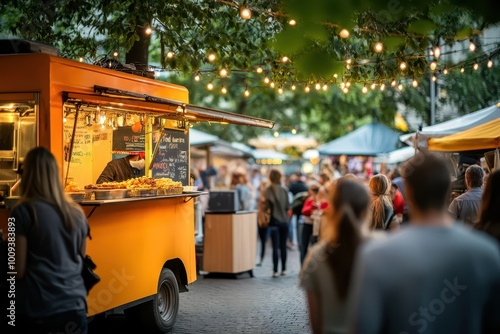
[
  {"x": 125, "y": 139},
  {"x": 172, "y": 158}
]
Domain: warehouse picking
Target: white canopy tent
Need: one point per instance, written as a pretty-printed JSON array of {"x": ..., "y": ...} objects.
[{"x": 396, "y": 156}]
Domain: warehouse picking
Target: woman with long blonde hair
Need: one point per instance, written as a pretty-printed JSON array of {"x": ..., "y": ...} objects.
[
  {"x": 50, "y": 242},
  {"x": 381, "y": 204}
]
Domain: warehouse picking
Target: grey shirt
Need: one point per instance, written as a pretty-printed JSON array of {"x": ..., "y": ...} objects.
[
  {"x": 278, "y": 197},
  {"x": 53, "y": 282},
  {"x": 429, "y": 280},
  {"x": 466, "y": 207}
]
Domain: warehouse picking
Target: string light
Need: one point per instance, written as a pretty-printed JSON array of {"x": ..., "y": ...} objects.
[
  {"x": 437, "y": 52},
  {"x": 292, "y": 22},
  {"x": 272, "y": 84},
  {"x": 307, "y": 89},
  {"x": 400, "y": 87},
  {"x": 325, "y": 87},
  {"x": 475, "y": 66},
  {"x": 344, "y": 33},
  {"x": 373, "y": 86},
  {"x": 197, "y": 77},
  {"x": 348, "y": 61},
  {"x": 378, "y": 47},
  {"x": 348, "y": 84},
  {"x": 115, "y": 54},
  {"x": 246, "y": 92},
  {"x": 266, "y": 80},
  {"x": 382, "y": 87},
  {"x": 148, "y": 31},
  {"x": 294, "y": 131},
  {"x": 433, "y": 65},
  {"x": 293, "y": 87},
  {"x": 81, "y": 59},
  {"x": 223, "y": 72},
  {"x": 414, "y": 83},
  {"x": 223, "y": 90},
  {"x": 342, "y": 85},
  {"x": 210, "y": 85},
  {"x": 276, "y": 134},
  {"x": 364, "y": 90},
  {"x": 335, "y": 75},
  {"x": 259, "y": 70},
  {"x": 285, "y": 59},
  {"x": 434, "y": 78},
  {"x": 280, "y": 90},
  {"x": 472, "y": 46},
  {"x": 445, "y": 71},
  {"x": 170, "y": 54},
  {"x": 211, "y": 57},
  {"x": 345, "y": 90},
  {"x": 245, "y": 13},
  {"x": 393, "y": 83},
  {"x": 402, "y": 66},
  {"x": 317, "y": 86},
  {"x": 490, "y": 63},
  {"x": 462, "y": 70}
]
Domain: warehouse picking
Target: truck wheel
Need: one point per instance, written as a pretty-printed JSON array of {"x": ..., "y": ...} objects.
[{"x": 159, "y": 314}]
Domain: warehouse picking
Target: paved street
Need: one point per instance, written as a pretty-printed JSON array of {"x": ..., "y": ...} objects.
[{"x": 244, "y": 305}]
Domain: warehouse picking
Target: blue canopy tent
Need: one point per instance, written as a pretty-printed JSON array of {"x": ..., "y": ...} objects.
[{"x": 368, "y": 140}]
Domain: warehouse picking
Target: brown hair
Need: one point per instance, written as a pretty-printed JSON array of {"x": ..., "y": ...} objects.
[
  {"x": 275, "y": 176},
  {"x": 490, "y": 208},
  {"x": 380, "y": 187}
]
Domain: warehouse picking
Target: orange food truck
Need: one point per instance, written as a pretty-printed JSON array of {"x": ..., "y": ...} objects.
[{"x": 87, "y": 115}]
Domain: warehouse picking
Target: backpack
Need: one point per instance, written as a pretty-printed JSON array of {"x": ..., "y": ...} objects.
[{"x": 298, "y": 202}]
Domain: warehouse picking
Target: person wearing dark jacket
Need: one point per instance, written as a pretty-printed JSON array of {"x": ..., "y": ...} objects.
[{"x": 122, "y": 169}]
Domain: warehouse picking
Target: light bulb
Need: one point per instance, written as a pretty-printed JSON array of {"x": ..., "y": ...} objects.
[
  {"x": 211, "y": 57},
  {"x": 472, "y": 46},
  {"x": 292, "y": 22},
  {"x": 445, "y": 71},
  {"x": 348, "y": 61},
  {"x": 378, "y": 47},
  {"x": 490, "y": 63},
  {"x": 81, "y": 59},
  {"x": 210, "y": 85},
  {"x": 335, "y": 75},
  {"x": 64, "y": 120},
  {"x": 148, "y": 31},
  {"x": 400, "y": 87},
  {"x": 293, "y": 87},
  {"x": 247, "y": 92},
  {"x": 325, "y": 87},
  {"x": 294, "y": 131},
  {"x": 382, "y": 87},
  {"x": 475, "y": 66},
  {"x": 348, "y": 84},
  {"x": 276, "y": 134},
  {"x": 115, "y": 54},
  {"x": 437, "y": 52},
  {"x": 317, "y": 86},
  {"x": 345, "y": 90},
  {"x": 245, "y": 13},
  {"x": 414, "y": 83},
  {"x": 373, "y": 86},
  {"x": 170, "y": 54},
  {"x": 285, "y": 59},
  {"x": 197, "y": 77},
  {"x": 223, "y": 72},
  {"x": 272, "y": 84},
  {"x": 266, "y": 80},
  {"x": 402, "y": 66},
  {"x": 342, "y": 85},
  {"x": 223, "y": 90},
  {"x": 434, "y": 78},
  {"x": 433, "y": 65},
  {"x": 462, "y": 70},
  {"x": 364, "y": 90},
  {"x": 280, "y": 90},
  {"x": 307, "y": 89},
  {"x": 259, "y": 70},
  {"x": 344, "y": 33},
  {"x": 393, "y": 83}
]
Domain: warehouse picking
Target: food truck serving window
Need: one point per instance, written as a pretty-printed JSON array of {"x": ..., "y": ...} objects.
[{"x": 18, "y": 128}]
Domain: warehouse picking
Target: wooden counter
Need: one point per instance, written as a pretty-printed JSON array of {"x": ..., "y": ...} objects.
[{"x": 230, "y": 242}]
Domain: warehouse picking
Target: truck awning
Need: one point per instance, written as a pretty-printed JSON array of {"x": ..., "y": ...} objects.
[{"x": 129, "y": 101}]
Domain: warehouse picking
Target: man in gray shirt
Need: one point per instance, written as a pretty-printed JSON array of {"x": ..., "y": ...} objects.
[
  {"x": 434, "y": 276},
  {"x": 466, "y": 206}
]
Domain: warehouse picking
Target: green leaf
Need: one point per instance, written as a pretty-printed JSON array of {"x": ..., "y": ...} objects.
[
  {"x": 290, "y": 41},
  {"x": 392, "y": 43},
  {"x": 442, "y": 9},
  {"x": 318, "y": 63},
  {"x": 464, "y": 33},
  {"x": 421, "y": 27}
]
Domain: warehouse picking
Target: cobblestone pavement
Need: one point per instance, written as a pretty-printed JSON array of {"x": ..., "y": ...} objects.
[{"x": 243, "y": 305}]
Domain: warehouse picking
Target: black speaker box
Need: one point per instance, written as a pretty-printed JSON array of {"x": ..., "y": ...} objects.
[{"x": 223, "y": 201}]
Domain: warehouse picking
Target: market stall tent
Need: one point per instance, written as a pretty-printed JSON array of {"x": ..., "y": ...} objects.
[
  {"x": 482, "y": 137},
  {"x": 396, "y": 156},
  {"x": 368, "y": 140},
  {"x": 453, "y": 126}
]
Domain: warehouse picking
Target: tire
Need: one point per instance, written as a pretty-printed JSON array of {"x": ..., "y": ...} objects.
[{"x": 159, "y": 314}]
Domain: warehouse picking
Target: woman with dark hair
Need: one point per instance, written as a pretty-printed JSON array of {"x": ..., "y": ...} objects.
[
  {"x": 489, "y": 216},
  {"x": 327, "y": 270},
  {"x": 50, "y": 239},
  {"x": 277, "y": 199}
]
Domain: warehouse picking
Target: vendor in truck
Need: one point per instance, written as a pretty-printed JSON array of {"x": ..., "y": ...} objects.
[{"x": 122, "y": 169}]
